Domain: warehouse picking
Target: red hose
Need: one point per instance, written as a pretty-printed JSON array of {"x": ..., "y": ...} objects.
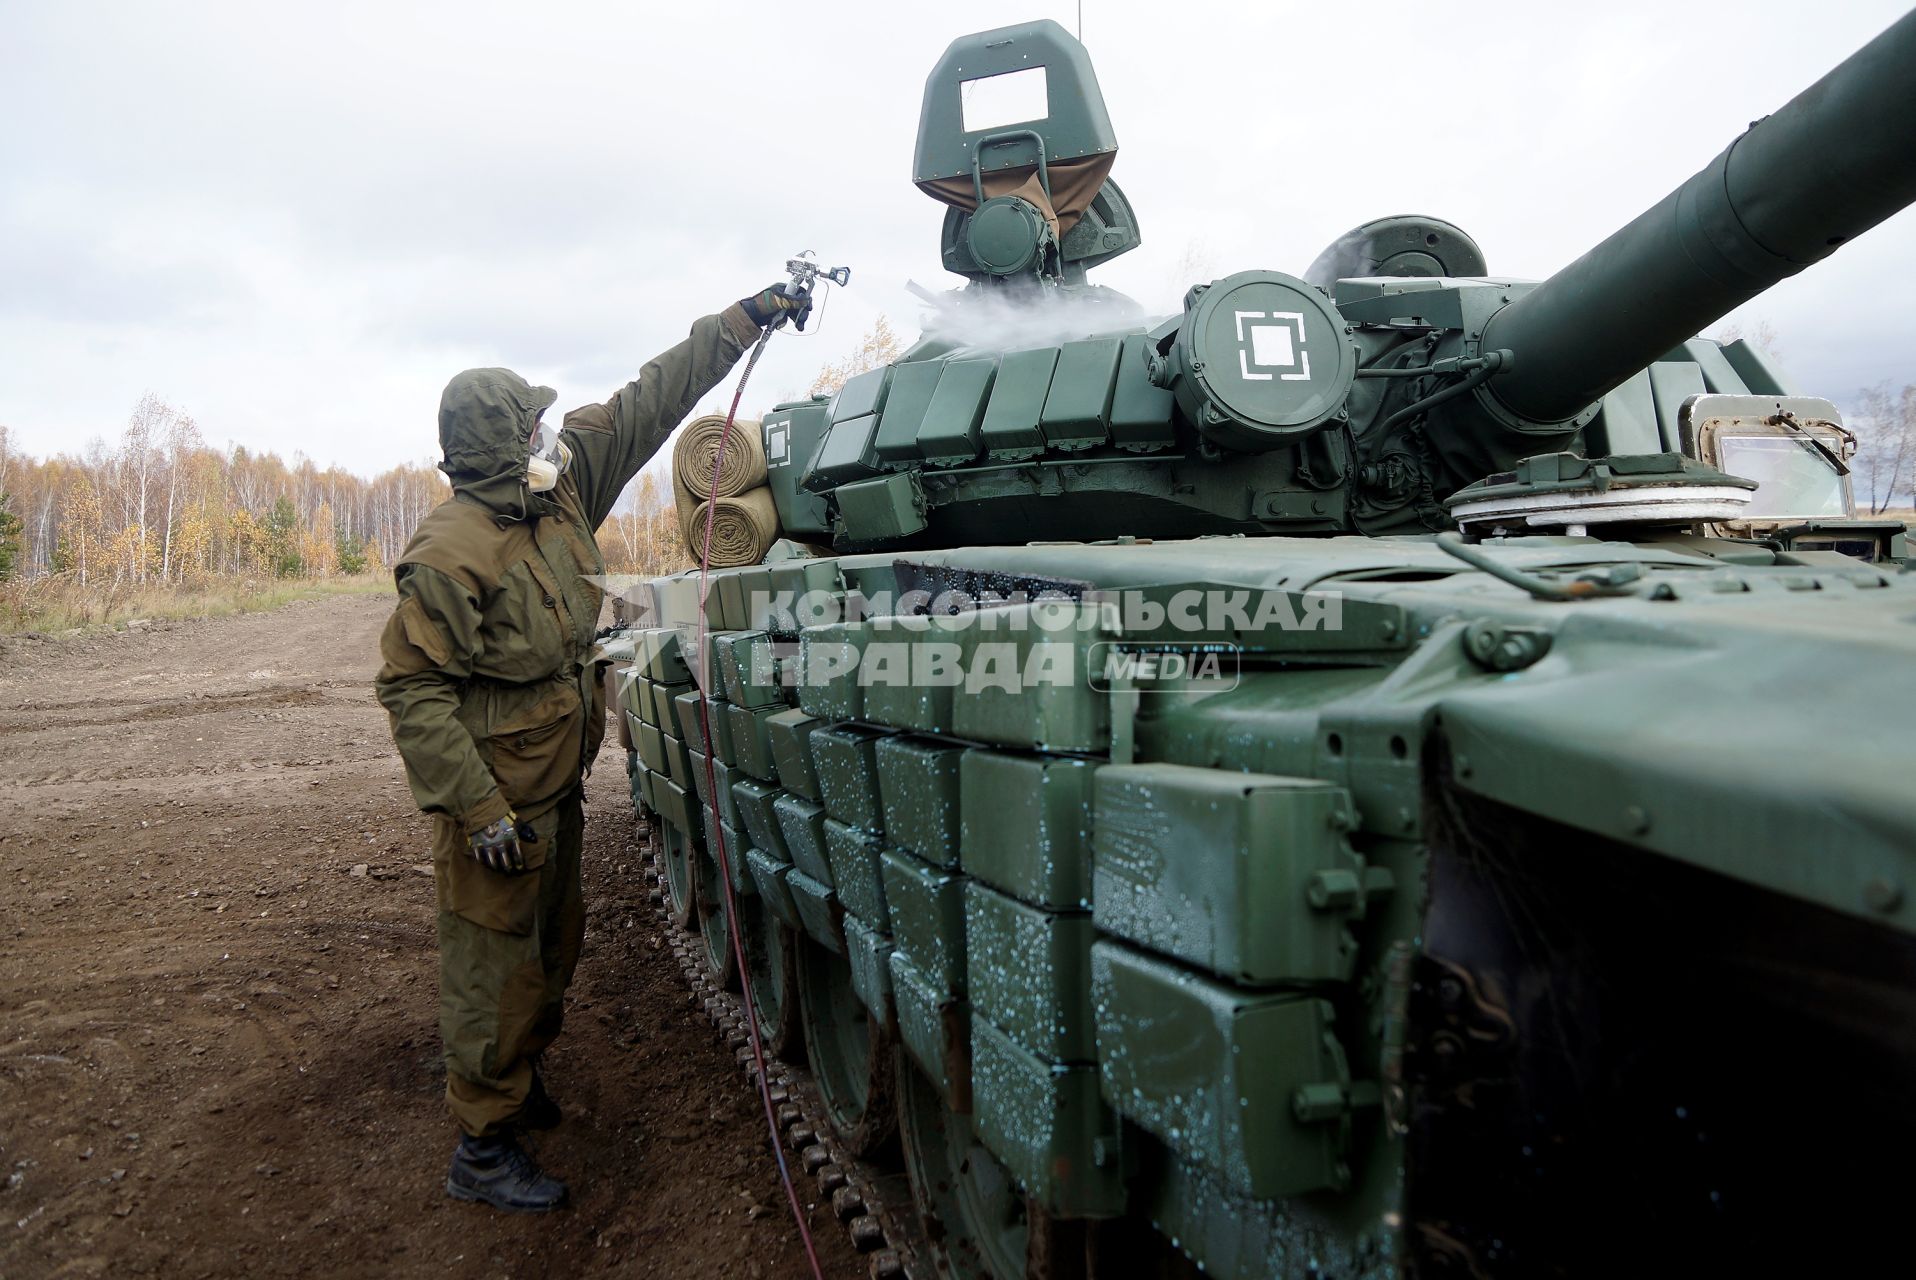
[{"x": 718, "y": 826}]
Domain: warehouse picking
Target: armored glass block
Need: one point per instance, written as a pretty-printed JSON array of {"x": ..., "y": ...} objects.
[
  {"x": 1029, "y": 971},
  {"x": 1077, "y": 412},
  {"x": 791, "y": 735},
  {"x": 1216, "y": 1071},
  {"x": 1010, "y": 429},
  {"x": 927, "y": 905},
  {"x": 768, "y": 874},
  {"x": 1027, "y": 679},
  {"x": 819, "y": 914},
  {"x": 752, "y": 740},
  {"x": 1140, "y": 412},
  {"x": 754, "y": 802},
  {"x": 912, "y": 386},
  {"x": 936, "y": 1031},
  {"x": 949, "y": 434},
  {"x": 803, "y": 823},
  {"x": 918, "y": 782},
  {"x": 1247, "y": 875},
  {"x": 870, "y": 953},
  {"x": 911, "y": 666},
  {"x": 1047, "y": 1125},
  {"x": 748, "y": 671},
  {"x": 827, "y": 673},
  {"x": 853, "y": 855},
  {"x": 1025, "y": 826},
  {"x": 846, "y": 758},
  {"x": 650, "y": 744}
]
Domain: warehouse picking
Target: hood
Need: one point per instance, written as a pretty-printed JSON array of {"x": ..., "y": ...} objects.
[{"x": 486, "y": 418}]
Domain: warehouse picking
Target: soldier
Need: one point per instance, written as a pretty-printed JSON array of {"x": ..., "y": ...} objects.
[{"x": 497, "y": 709}]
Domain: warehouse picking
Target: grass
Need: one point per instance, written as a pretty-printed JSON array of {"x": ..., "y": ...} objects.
[{"x": 59, "y": 603}]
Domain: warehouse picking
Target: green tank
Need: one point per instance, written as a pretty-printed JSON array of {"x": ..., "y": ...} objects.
[{"x": 1389, "y": 771}]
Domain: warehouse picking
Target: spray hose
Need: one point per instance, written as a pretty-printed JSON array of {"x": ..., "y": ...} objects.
[{"x": 718, "y": 828}]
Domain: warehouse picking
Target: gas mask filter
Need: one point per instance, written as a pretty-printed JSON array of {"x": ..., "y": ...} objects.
[{"x": 550, "y": 458}]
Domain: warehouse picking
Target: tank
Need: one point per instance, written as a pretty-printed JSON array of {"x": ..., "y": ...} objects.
[{"x": 1389, "y": 771}]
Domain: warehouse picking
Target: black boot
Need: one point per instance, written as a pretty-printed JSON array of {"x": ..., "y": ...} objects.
[
  {"x": 539, "y": 1111},
  {"x": 498, "y": 1172}
]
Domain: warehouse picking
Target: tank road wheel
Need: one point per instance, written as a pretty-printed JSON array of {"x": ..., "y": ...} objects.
[
  {"x": 974, "y": 1216},
  {"x": 721, "y": 962},
  {"x": 850, "y": 1054},
  {"x": 675, "y": 853},
  {"x": 772, "y": 979}
]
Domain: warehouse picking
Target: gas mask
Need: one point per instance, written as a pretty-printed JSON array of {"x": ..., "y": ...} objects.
[{"x": 550, "y": 458}]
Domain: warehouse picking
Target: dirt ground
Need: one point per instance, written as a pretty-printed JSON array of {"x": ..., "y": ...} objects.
[{"x": 218, "y": 1038}]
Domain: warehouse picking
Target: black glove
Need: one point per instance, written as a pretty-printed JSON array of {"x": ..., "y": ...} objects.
[
  {"x": 772, "y": 306},
  {"x": 497, "y": 847}
]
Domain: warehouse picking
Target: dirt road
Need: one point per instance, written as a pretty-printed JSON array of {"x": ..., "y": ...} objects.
[{"x": 218, "y": 1040}]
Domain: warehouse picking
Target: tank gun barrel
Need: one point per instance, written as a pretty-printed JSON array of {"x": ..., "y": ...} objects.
[{"x": 1834, "y": 162}]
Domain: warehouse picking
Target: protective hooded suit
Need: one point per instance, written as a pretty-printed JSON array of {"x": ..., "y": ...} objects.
[{"x": 495, "y": 704}]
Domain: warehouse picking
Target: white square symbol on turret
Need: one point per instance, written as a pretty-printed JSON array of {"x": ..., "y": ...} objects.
[{"x": 1271, "y": 345}]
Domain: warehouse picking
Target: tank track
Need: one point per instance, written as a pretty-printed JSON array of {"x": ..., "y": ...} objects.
[{"x": 873, "y": 1205}]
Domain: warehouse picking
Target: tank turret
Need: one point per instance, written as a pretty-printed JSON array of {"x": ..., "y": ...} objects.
[{"x": 1037, "y": 405}]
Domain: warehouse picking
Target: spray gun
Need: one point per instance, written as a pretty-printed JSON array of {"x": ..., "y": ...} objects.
[{"x": 806, "y": 272}]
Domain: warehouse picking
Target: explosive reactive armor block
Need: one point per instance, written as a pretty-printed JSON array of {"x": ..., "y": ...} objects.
[
  {"x": 1027, "y": 670},
  {"x": 927, "y": 905},
  {"x": 919, "y": 784},
  {"x": 650, "y": 744},
  {"x": 724, "y": 777},
  {"x": 736, "y": 846},
  {"x": 791, "y": 735},
  {"x": 754, "y": 801},
  {"x": 768, "y": 874},
  {"x": 1024, "y": 828},
  {"x": 747, "y": 671},
  {"x": 869, "y": 951},
  {"x": 675, "y": 804},
  {"x": 1253, "y": 1085},
  {"x": 909, "y": 664},
  {"x": 1047, "y": 1124},
  {"x": 819, "y": 913},
  {"x": 679, "y": 762},
  {"x": 658, "y": 649},
  {"x": 936, "y": 1031},
  {"x": 803, "y": 824},
  {"x": 847, "y": 763},
  {"x": 1247, "y": 875},
  {"x": 692, "y": 723},
  {"x": 827, "y": 675},
  {"x": 853, "y": 855},
  {"x": 1029, "y": 972},
  {"x": 752, "y": 739}
]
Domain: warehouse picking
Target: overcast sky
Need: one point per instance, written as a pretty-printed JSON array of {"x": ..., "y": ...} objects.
[{"x": 296, "y": 221}]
